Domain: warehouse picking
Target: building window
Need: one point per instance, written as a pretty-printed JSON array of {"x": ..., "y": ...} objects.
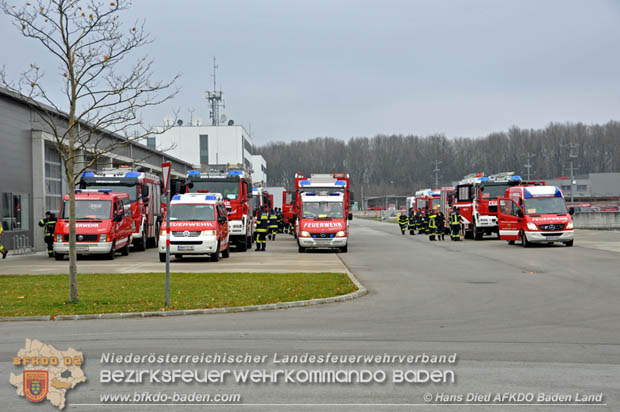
[
  {"x": 15, "y": 214},
  {"x": 204, "y": 149},
  {"x": 53, "y": 179},
  {"x": 247, "y": 145},
  {"x": 566, "y": 188},
  {"x": 151, "y": 142},
  {"x": 582, "y": 188}
]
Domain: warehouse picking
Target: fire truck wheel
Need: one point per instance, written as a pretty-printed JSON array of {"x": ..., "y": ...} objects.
[
  {"x": 524, "y": 241},
  {"x": 58, "y": 256},
  {"x": 141, "y": 243},
  {"x": 215, "y": 257},
  {"x": 478, "y": 234},
  {"x": 162, "y": 257},
  {"x": 344, "y": 249},
  {"x": 226, "y": 253},
  {"x": 569, "y": 243},
  {"x": 111, "y": 253},
  {"x": 301, "y": 249},
  {"x": 242, "y": 246},
  {"x": 125, "y": 249}
]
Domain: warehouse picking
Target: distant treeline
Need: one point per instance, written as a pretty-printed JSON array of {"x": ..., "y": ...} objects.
[{"x": 398, "y": 164}]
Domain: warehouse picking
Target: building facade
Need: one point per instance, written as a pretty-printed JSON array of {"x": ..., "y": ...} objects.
[
  {"x": 259, "y": 171},
  {"x": 592, "y": 185},
  {"x": 32, "y": 177},
  {"x": 208, "y": 145}
]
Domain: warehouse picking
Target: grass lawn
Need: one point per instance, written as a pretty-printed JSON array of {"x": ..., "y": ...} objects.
[{"x": 25, "y": 295}]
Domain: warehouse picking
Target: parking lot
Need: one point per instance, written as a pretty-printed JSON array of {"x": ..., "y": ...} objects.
[{"x": 280, "y": 257}]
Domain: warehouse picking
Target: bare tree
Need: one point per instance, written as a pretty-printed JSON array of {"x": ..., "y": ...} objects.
[{"x": 100, "y": 90}]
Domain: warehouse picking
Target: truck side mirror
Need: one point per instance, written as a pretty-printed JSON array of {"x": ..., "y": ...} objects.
[
  {"x": 350, "y": 216},
  {"x": 571, "y": 211},
  {"x": 145, "y": 191}
]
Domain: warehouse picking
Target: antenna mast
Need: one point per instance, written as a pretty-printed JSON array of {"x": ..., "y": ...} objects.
[{"x": 215, "y": 99}]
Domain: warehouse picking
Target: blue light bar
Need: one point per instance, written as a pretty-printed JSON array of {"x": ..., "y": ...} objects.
[
  {"x": 310, "y": 194},
  {"x": 210, "y": 197},
  {"x": 527, "y": 193},
  {"x": 106, "y": 191},
  {"x": 78, "y": 191},
  {"x": 334, "y": 194},
  {"x": 304, "y": 182},
  {"x": 235, "y": 172},
  {"x": 88, "y": 174},
  {"x": 558, "y": 192},
  {"x": 193, "y": 172},
  {"x": 132, "y": 174},
  {"x": 255, "y": 189},
  {"x": 483, "y": 179},
  {"x": 176, "y": 197},
  {"x": 516, "y": 178},
  {"x": 340, "y": 183}
]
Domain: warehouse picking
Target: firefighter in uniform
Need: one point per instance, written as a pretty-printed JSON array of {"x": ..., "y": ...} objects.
[
  {"x": 280, "y": 220},
  {"x": 432, "y": 225},
  {"x": 455, "y": 224},
  {"x": 262, "y": 226},
  {"x": 425, "y": 215},
  {"x": 441, "y": 225},
  {"x": 2, "y": 249},
  {"x": 418, "y": 221},
  {"x": 411, "y": 222},
  {"x": 49, "y": 224},
  {"x": 273, "y": 224},
  {"x": 402, "y": 222}
]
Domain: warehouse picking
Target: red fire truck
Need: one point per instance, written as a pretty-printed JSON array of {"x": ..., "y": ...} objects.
[
  {"x": 322, "y": 184},
  {"x": 426, "y": 199},
  {"x": 476, "y": 197},
  {"x": 535, "y": 214},
  {"x": 144, "y": 191},
  {"x": 288, "y": 207},
  {"x": 235, "y": 185},
  {"x": 323, "y": 222}
]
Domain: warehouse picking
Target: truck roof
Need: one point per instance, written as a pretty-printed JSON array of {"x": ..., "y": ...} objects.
[
  {"x": 541, "y": 191},
  {"x": 119, "y": 173},
  {"x": 231, "y": 174}
]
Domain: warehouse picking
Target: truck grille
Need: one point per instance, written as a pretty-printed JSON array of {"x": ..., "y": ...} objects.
[
  {"x": 322, "y": 235},
  {"x": 551, "y": 227},
  {"x": 189, "y": 233},
  {"x": 82, "y": 238}
]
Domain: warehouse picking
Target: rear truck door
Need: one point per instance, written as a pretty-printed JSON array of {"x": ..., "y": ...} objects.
[{"x": 508, "y": 220}]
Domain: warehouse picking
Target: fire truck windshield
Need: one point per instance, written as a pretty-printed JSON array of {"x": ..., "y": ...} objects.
[
  {"x": 187, "y": 212},
  {"x": 494, "y": 191},
  {"x": 323, "y": 210},
  {"x": 132, "y": 190},
  {"x": 88, "y": 209},
  {"x": 545, "y": 205},
  {"x": 228, "y": 189}
]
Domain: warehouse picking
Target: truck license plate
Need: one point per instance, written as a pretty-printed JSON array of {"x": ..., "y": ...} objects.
[
  {"x": 186, "y": 247},
  {"x": 550, "y": 237},
  {"x": 81, "y": 248}
]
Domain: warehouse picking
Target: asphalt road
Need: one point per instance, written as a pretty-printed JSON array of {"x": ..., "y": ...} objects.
[{"x": 544, "y": 319}]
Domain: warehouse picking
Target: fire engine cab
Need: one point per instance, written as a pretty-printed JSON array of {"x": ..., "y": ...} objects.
[
  {"x": 476, "y": 197},
  {"x": 426, "y": 199},
  {"x": 198, "y": 226},
  {"x": 235, "y": 186},
  {"x": 535, "y": 214},
  {"x": 323, "y": 221},
  {"x": 144, "y": 190},
  {"x": 102, "y": 223}
]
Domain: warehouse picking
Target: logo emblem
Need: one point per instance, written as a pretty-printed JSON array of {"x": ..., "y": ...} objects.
[
  {"x": 35, "y": 385},
  {"x": 186, "y": 233},
  {"x": 551, "y": 227},
  {"x": 80, "y": 237}
]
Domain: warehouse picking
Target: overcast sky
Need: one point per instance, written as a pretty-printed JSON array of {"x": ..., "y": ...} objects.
[{"x": 301, "y": 69}]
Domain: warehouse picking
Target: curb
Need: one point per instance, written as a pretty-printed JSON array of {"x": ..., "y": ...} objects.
[{"x": 361, "y": 291}]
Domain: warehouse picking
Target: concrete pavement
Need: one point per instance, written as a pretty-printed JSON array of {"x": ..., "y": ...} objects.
[{"x": 543, "y": 319}]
